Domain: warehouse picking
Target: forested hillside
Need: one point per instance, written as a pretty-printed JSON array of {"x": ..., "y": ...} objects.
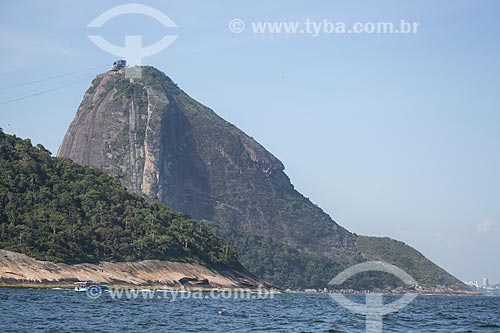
[{"x": 54, "y": 209}]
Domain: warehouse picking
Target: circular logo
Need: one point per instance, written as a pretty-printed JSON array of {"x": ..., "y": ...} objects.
[
  {"x": 236, "y": 26},
  {"x": 94, "y": 292},
  {"x": 133, "y": 50},
  {"x": 374, "y": 308}
]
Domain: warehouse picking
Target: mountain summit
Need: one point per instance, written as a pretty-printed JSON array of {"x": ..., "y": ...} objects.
[{"x": 164, "y": 145}]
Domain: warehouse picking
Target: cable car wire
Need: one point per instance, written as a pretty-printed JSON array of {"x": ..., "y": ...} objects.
[
  {"x": 52, "y": 77},
  {"x": 45, "y": 91}
]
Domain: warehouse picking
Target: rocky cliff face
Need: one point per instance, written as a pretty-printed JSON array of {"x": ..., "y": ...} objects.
[
  {"x": 163, "y": 144},
  {"x": 116, "y": 129}
]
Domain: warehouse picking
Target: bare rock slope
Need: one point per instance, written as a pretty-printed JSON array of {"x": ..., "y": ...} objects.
[{"x": 17, "y": 268}]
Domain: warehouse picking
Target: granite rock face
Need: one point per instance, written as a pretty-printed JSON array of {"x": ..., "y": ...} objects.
[{"x": 164, "y": 145}]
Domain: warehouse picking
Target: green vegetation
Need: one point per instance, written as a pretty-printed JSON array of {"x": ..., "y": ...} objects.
[
  {"x": 284, "y": 265},
  {"x": 54, "y": 209},
  {"x": 289, "y": 267},
  {"x": 408, "y": 259},
  {"x": 151, "y": 77}
]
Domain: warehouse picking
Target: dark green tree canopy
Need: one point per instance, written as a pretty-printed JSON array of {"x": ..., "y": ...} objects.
[{"x": 54, "y": 209}]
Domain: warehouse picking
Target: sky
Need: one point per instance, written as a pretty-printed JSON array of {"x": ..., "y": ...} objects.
[{"x": 391, "y": 134}]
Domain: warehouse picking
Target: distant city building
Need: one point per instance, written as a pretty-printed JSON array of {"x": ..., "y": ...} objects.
[
  {"x": 474, "y": 284},
  {"x": 484, "y": 287}
]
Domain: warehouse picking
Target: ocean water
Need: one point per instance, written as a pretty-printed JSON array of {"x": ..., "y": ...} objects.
[{"x": 41, "y": 310}]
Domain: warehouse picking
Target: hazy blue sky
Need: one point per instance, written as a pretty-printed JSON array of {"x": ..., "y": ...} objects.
[{"x": 395, "y": 135}]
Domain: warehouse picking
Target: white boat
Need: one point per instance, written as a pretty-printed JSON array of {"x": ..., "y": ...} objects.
[{"x": 84, "y": 286}]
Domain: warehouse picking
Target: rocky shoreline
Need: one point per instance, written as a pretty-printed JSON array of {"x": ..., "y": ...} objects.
[
  {"x": 430, "y": 291},
  {"x": 19, "y": 270}
]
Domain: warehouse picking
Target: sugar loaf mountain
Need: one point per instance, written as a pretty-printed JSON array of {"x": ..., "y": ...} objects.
[{"x": 167, "y": 148}]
